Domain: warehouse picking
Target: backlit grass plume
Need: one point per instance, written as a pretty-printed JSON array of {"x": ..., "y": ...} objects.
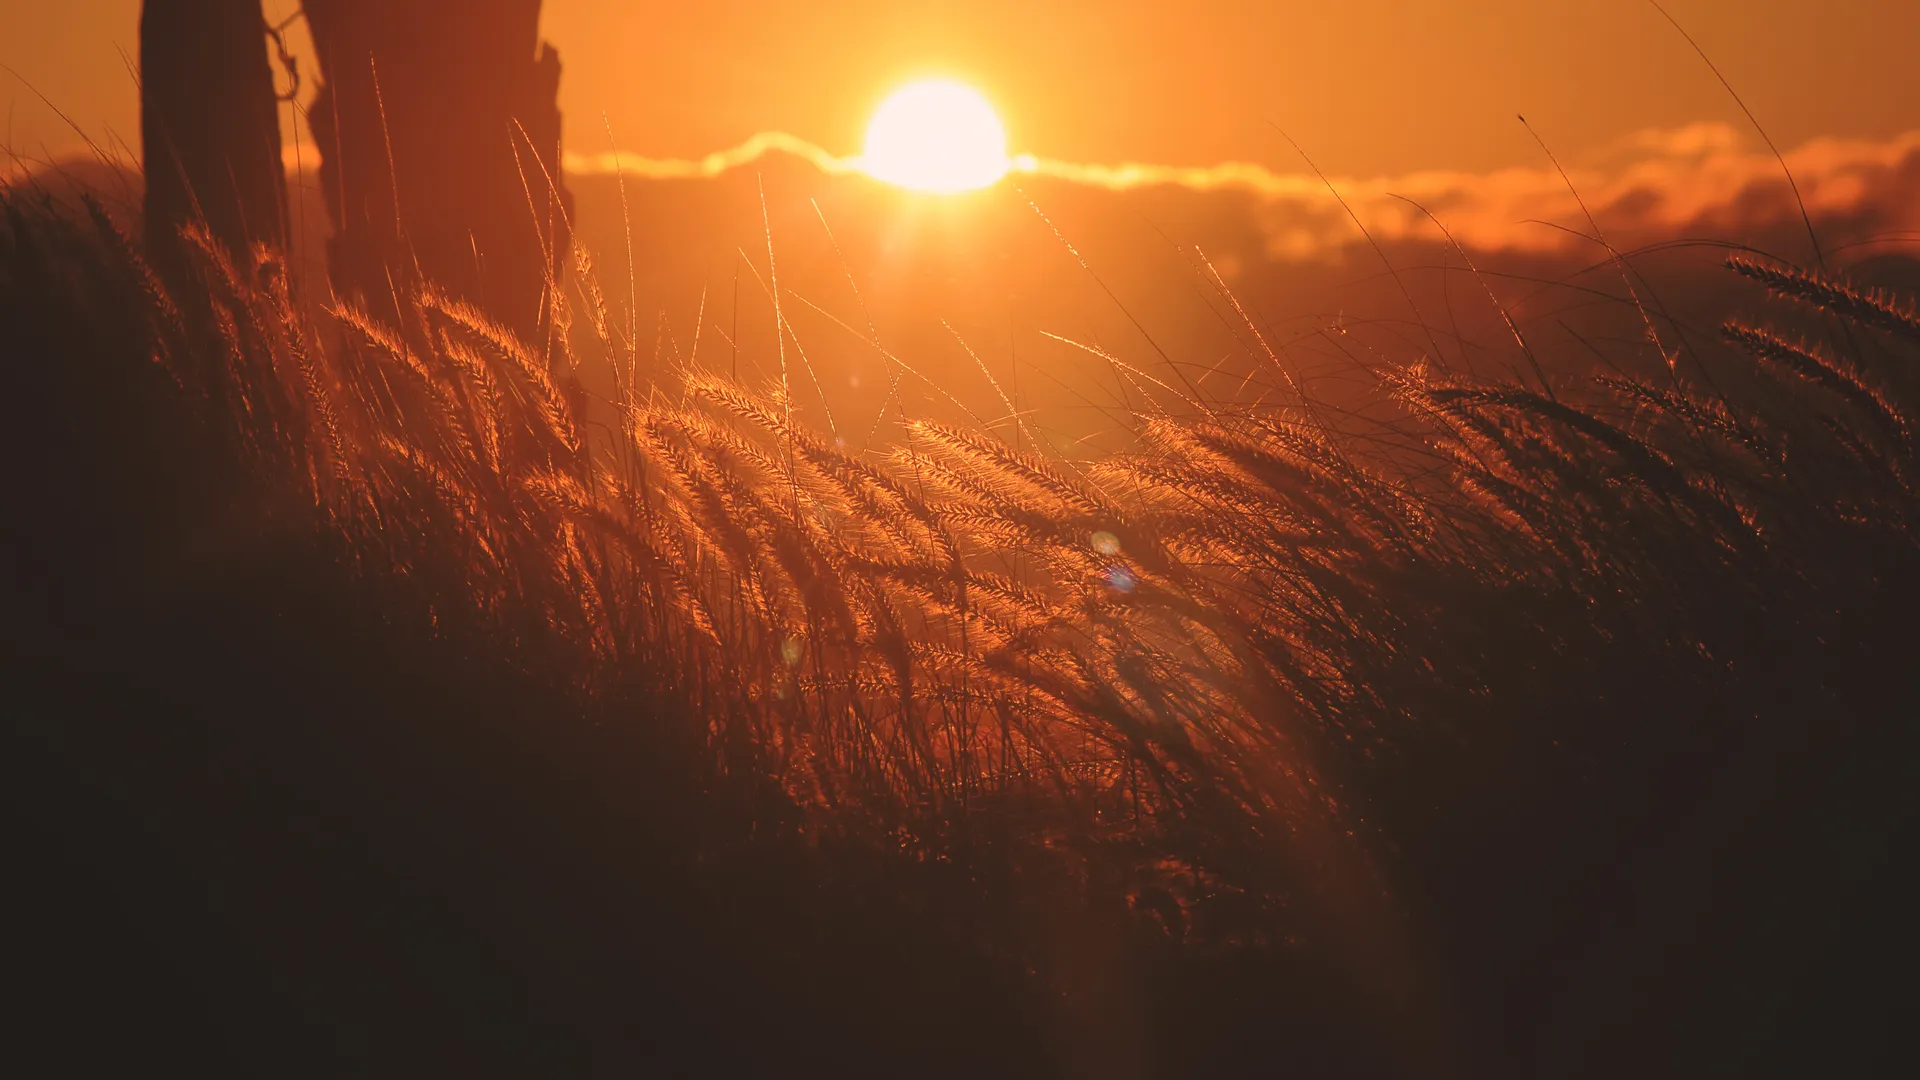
[{"x": 1383, "y": 685}]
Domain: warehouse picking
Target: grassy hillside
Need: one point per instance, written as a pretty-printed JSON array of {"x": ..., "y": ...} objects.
[{"x": 389, "y": 701}]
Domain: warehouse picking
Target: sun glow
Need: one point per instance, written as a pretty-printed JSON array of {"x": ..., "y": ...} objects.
[{"x": 936, "y": 135}]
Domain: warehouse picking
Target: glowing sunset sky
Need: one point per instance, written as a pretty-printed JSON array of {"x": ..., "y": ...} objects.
[{"x": 1368, "y": 86}]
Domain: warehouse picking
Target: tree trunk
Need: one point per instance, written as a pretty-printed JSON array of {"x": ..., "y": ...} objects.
[
  {"x": 210, "y": 126},
  {"x": 438, "y": 127}
]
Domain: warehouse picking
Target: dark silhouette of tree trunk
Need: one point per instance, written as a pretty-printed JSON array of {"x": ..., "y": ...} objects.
[
  {"x": 438, "y": 128},
  {"x": 210, "y": 126}
]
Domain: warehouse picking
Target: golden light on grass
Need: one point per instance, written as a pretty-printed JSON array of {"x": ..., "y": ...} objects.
[{"x": 936, "y": 135}]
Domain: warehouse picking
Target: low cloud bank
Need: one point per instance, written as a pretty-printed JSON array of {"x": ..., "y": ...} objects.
[{"x": 1701, "y": 179}]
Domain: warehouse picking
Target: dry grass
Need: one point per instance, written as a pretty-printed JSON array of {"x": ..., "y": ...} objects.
[{"x": 1395, "y": 683}]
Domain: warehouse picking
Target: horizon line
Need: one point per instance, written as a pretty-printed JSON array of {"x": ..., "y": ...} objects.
[{"x": 1700, "y": 142}]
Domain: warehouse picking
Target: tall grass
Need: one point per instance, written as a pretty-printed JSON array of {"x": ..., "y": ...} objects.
[{"x": 1529, "y": 715}]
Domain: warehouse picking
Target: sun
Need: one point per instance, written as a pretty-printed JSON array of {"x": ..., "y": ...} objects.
[{"x": 936, "y": 135}]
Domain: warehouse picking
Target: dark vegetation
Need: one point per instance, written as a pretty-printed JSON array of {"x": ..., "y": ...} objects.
[
  {"x": 369, "y": 715},
  {"x": 381, "y": 706}
]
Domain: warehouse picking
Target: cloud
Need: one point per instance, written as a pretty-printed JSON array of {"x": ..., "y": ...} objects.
[
  {"x": 1689, "y": 140},
  {"x": 1703, "y": 180},
  {"x": 714, "y": 164},
  {"x": 1656, "y": 183}
]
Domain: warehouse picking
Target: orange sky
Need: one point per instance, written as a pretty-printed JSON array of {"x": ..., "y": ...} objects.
[{"x": 1368, "y": 86}]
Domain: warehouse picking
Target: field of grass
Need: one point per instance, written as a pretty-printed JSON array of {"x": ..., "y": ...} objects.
[{"x": 400, "y": 705}]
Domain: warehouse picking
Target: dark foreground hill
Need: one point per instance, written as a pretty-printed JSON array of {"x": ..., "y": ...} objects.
[{"x": 1506, "y": 727}]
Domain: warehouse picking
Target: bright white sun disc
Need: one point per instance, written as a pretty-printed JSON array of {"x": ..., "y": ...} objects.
[{"x": 936, "y": 135}]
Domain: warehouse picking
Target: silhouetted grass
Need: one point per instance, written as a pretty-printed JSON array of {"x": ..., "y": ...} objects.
[{"x": 1508, "y": 731}]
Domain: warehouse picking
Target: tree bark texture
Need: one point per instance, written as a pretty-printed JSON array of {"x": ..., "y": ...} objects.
[
  {"x": 438, "y": 127},
  {"x": 209, "y": 126}
]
